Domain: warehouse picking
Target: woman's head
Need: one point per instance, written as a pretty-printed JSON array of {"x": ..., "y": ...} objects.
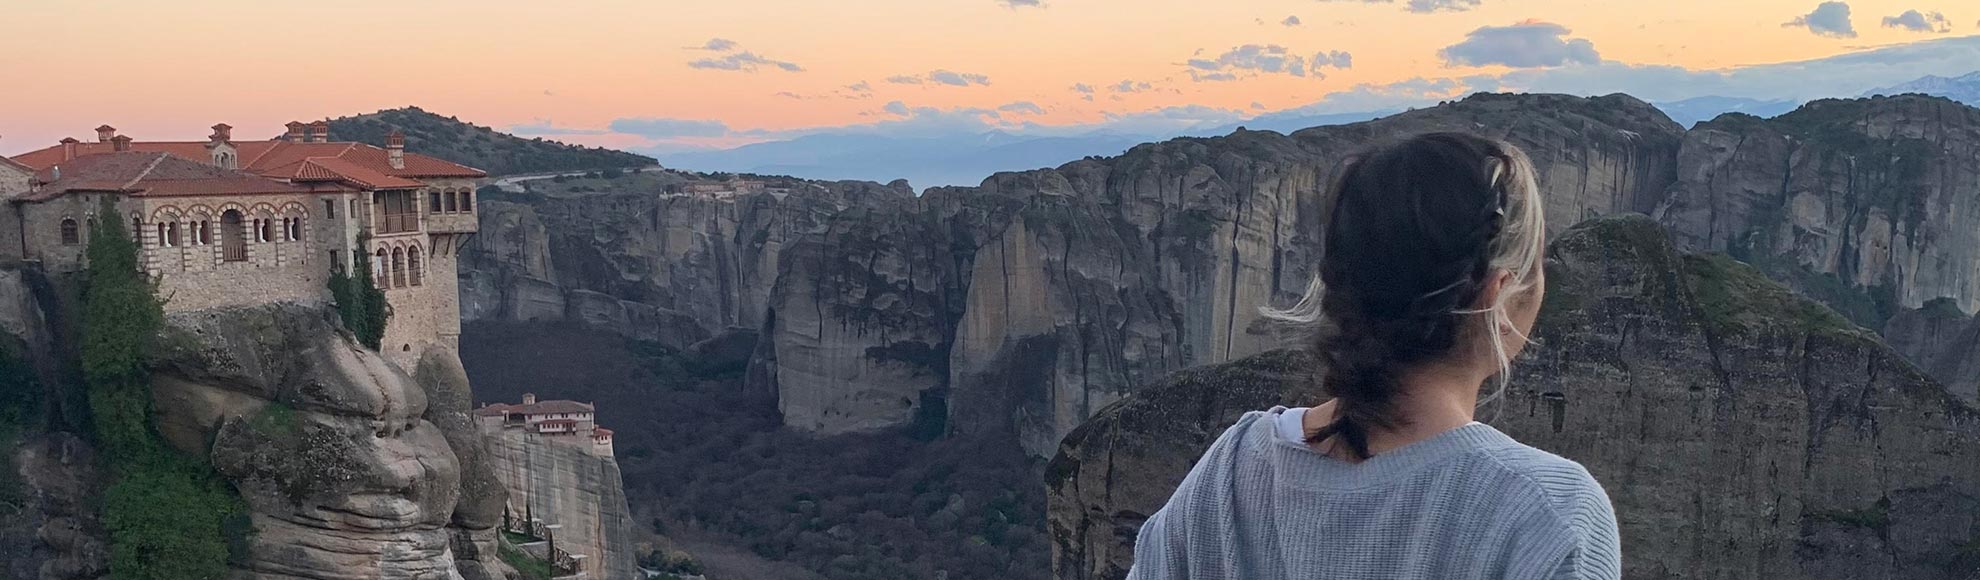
[{"x": 1431, "y": 262}]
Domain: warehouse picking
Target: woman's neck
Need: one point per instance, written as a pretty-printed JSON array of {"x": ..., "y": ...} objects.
[{"x": 1432, "y": 401}]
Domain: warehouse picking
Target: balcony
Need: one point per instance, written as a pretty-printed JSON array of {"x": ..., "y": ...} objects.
[
  {"x": 398, "y": 223},
  {"x": 452, "y": 223}
]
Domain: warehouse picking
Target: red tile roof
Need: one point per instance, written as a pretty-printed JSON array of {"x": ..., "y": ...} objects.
[
  {"x": 339, "y": 169},
  {"x": 601, "y": 432},
  {"x": 540, "y": 408},
  {"x": 146, "y": 174},
  {"x": 258, "y": 156}
]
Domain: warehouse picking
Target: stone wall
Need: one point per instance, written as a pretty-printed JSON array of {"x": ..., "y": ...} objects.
[
  {"x": 192, "y": 269},
  {"x": 565, "y": 485}
]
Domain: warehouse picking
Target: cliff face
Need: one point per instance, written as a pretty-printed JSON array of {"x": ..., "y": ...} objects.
[
  {"x": 350, "y": 467},
  {"x": 1029, "y": 302},
  {"x": 1741, "y": 431},
  {"x": 1943, "y": 342},
  {"x": 1869, "y": 205},
  {"x": 51, "y": 529},
  {"x": 565, "y": 486}
]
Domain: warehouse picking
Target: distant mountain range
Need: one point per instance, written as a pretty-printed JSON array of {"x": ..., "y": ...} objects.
[
  {"x": 1696, "y": 110},
  {"x": 480, "y": 147},
  {"x": 1965, "y": 89}
]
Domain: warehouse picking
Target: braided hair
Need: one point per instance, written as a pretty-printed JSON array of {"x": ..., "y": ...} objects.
[{"x": 1413, "y": 235}]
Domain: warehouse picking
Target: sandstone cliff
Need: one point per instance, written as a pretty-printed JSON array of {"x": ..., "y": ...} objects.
[
  {"x": 50, "y": 528},
  {"x": 1944, "y": 342},
  {"x": 350, "y": 467},
  {"x": 565, "y": 486},
  {"x": 1871, "y": 205},
  {"x": 1741, "y": 431},
  {"x": 1028, "y": 302}
]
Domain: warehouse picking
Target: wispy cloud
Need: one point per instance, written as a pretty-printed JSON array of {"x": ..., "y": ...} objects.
[
  {"x": 1423, "y": 6},
  {"x": 1131, "y": 86},
  {"x": 1830, "y": 19},
  {"x": 1023, "y": 108},
  {"x": 1256, "y": 59},
  {"x": 1016, "y": 4},
  {"x": 1524, "y": 45},
  {"x": 1290, "y": 21},
  {"x": 1916, "y": 21},
  {"x": 942, "y": 77},
  {"x": 665, "y": 128},
  {"x": 546, "y": 127},
  {"x": 737, "y": 59}
]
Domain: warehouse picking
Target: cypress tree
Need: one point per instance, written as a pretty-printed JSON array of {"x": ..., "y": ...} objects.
[
  {"x": 169, "y": 515},
  {"x": 360, "y": 303}
]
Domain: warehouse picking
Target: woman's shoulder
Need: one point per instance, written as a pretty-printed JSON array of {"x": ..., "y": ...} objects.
[{"x": 1567, "y": 486}]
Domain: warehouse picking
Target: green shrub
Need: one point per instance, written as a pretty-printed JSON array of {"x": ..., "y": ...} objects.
[{"x": 360, "y": 304}]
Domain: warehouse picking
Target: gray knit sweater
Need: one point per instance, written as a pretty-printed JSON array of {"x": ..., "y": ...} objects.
[{"x": 1470, "y": 503}]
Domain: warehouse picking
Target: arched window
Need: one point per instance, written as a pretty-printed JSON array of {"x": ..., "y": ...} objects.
[
  {"x": 398, "y": 267},
  {"x": 467, "y": 200},
  {"x": 266, "y": 230},
  {"x": 137, "y": 230},
  {"x": 203, "y": 232},
  {"x": 233, "y": 237},
  {"x": 71, "y": 235},
  {"x": 433, "y": 201},
  {"x": 378, "y": 263},
  {"x": 413, "y": 264},
  {"x": 453, "y": 205}
]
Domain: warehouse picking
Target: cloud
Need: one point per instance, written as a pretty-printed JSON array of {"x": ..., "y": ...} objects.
[
  {"x": 665, "y": 128},
  {"x": 1424, "y": 6},
  {"x": 1336, "y": 59},
  {"x": 958, "y": 79},
  {"x": 1428, "y": 6},
  {"x": 717, "y": 45},
  {"x": 1254, "y": 59},
  {"x": 1290, "y": 21},
  {"x": 1830, "y": 19},
  {"x": 904, "y": 79},
  {"x": 1257, "y": 106},
  {"x": 1916, "y": 21},
  {"x": 738, "y": 60},
  {"x": 1082, "y": 88},
  {"x": 1130, "y": 86},
  {"x": 1842, "y": 75},
  {"x": 545, "y": 127},
  {"x": 1527, "y": 44},
  {"x": 860, "y": 87},
  {"x": 790, "y": 95},
  {"x": 1016, "y": 4},
  {"x": 1023, "y": 107}
]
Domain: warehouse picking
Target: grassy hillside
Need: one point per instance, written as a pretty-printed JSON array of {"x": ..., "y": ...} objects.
[{"x": 477, "y": 146}]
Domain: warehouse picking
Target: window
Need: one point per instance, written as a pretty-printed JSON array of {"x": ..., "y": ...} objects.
[
  {"x": 137, "y": 230},
  {"x": 168, "y": 234},
  {"x": 453, "y": 204},
  {"x": 354, "y": 208},
  {"x": 233, "y": 237},
  {"x": 398, "y": 267},
  {"x": 267, "y": 230},
  {"x": 432, "y": 202},
  {"x": 203, "y": 232},
  {"x": 378, "y": 264},
  {"x": 292, "y": 229},
  {"x": 336, "y": 267},
  {"x": 70, "y": 235},
  {"x": 397, "y": 211},
  {"x": 329, "y": 209},
  {"x": 412, "y": 265},
  {"x": 467, "y": 201}
]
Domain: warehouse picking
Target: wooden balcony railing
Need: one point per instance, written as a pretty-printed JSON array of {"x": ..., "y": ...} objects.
[{"x": 398, "y": 223}]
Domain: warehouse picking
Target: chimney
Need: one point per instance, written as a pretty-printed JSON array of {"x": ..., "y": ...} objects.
[
  {"x": 104, "y": 133},
  {"x": 319, "y": 132},
  {"x": 222, "y": 133},
  {"x": 295, "y": 132},
  {"x": 120, "y": 143},
  {"x": 69, "y": 148},
  {"x": 395, "y": 149},
  {"x": 529, "y": 398}
]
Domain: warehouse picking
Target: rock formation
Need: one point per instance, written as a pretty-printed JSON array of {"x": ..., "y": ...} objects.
[
  {"x": 1028, "y": 302},
  {"x": 350, "y": 467},
  {"x": 1942, "y": 341},
  {"x": 565, "y": 486},
  {"x": 1869, "y": 205},
  {"x": 1742, "y": 432}
]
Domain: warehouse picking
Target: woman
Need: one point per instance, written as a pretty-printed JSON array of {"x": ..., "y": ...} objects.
[{"x": 1429, "y": 285}]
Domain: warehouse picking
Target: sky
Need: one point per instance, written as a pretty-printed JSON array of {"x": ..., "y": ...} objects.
[{"x": 661, "y": 75}]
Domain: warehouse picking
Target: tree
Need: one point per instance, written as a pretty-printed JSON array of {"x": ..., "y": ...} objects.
[
  {"x": 360, "y": 303},
  {"x": 169, "y": 515}
]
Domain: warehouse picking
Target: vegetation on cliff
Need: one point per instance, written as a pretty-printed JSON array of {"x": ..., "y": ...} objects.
[
  {"x": 360, "y": 303},
  {"x": 476, "y": 146},
  {"x": 170, "y": 516}
]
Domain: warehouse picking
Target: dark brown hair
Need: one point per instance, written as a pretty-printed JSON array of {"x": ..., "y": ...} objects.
[{"x": 1413, "y": 233}]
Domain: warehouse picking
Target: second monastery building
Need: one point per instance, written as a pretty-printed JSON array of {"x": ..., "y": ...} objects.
[{"x": 225, "y": 223}]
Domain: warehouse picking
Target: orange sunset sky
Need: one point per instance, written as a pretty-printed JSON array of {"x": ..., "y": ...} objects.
[{"x": 168, "y": 69}]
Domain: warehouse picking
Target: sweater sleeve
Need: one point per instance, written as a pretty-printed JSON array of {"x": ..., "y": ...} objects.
[{"x": 1596, "y": 553}]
